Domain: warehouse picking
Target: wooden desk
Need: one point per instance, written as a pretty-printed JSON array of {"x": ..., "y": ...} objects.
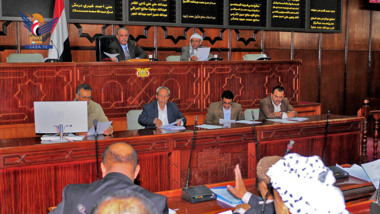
[
  {"x": 346, "y": 185},
  {"x": 28, "y": 167}
]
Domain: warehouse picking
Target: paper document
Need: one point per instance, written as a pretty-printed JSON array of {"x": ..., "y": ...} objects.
[
  {"x": 203, "y": 53},
  {"x": 248, "y": 122},
  {"x": 299, "y": 119},
  {"x": 102, "y": 126},
  {"x": 173, "y": 126},
  {"x": 112, "y": 56},
  {"x": 373, "y": 171},
  {"x": 357, "y": 172},
  {"x": 224, "y": 195},
  {"x": 282, "y": 121},
  {"x": 224, "y": 121},
  {"x": 205, "y": 126}
]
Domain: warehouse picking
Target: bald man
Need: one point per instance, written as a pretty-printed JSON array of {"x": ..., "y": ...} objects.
[{"x": 119, "y": 169}]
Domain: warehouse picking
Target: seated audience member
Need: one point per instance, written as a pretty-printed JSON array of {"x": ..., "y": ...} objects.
[
  {"x": 119, "y": 168},
  {"x": 305, "y": 185},
  {"x": 126, "y": 48},
  {"x": 161, "y": 112},
  {"x": 125, "y": 201},
  {"x": 276, "y": 105},
  {"x": 189, "y": 53},
  {"x": 256, "y": 204},
  {"x": 94, "y": 110},
  {"x": 224, "y": 109}
]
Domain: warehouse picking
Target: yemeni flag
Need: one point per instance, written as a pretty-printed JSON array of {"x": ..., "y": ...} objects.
[{"x": 60, "y": 37}]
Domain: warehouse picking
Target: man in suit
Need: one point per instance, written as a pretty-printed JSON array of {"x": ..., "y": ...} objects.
[
  {"x": 276, "y": 106},
  {"x": 224, "y": 109},
  {"x": 94, "y": 110},
  {"x": 189, "y": 53},
  {"x": 265, "y": 188},
  {"x": 161, "y": 112},
  {"x": 120, "y": 168},
  {"x": 126, "y": 48}
]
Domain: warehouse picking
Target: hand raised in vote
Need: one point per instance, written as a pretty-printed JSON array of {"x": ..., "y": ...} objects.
[{"x": 239, "y": 190}]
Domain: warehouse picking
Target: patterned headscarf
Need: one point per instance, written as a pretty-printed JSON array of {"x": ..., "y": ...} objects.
[{"x": 306, "y": 185}]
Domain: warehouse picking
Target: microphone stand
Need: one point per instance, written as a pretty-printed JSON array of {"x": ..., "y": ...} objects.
[
  {"x": 255, "y": 133},
  {"x": 191, "y": 153},
  {"x": 96, "y": 148},
  {"x": 326, "y": 133}
]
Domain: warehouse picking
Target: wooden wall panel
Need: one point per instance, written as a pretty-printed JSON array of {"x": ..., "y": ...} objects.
[
  {"x": 305, "y": 41},
  {"x": 356, "y": 79},
  {"x": 309, "y": 74},
  {"x": 332, "y": 81},
  {"x": 336, "y": 41},
  {"x": 358, "y": 22},
  {"x": 375, "y": 30},
  {"x": 375, "y": 75},
  {"x": 277, "y": 39}
]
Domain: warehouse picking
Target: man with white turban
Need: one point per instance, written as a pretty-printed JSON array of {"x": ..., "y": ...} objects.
[{"x": 189, "y": 53}]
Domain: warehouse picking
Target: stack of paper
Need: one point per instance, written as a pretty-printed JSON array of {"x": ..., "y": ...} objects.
[{"x": 224, "y": 195}]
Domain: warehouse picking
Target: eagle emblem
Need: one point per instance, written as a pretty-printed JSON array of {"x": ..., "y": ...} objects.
[
  {"x": 34, "y": 23},
  {"x": 142, "y": 72}
]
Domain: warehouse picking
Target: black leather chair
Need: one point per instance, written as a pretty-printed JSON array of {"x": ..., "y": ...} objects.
[{"x": 102, "y": 43}]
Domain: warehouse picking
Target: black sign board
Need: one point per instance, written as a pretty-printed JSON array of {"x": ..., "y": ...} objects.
[
  {"x": 325, "y": 15},
  {"x": 202, "y": 12},
  {"x": 151, "y": 10},
  {"x": 247, "y": 12},
  {"x": 95, "y": 9},
  {"x": 288, "y": 14}
]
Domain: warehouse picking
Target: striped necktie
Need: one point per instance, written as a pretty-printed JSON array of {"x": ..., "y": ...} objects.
[{"x": 127, "y": 55}]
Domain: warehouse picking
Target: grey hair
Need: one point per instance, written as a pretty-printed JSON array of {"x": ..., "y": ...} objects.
[
  {"x": 162, "y": 87},
  {"x": 122, "y": 28}
]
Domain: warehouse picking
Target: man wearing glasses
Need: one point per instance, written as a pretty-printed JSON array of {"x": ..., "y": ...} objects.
[
  {"x": 189, "y": 53},
  {"x": 224, "y": 109},
  {"x": 161, "y": 112},
  {"x": 94, "y": 110},
  {"x": 276, "y": 106}
]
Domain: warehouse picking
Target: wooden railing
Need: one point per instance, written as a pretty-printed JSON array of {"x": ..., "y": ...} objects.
[{"x": 370, "y": 127}]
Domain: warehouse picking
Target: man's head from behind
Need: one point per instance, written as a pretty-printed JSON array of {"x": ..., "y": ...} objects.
[
  {"x": 83, "y": 93},
  {"x": 261, "y": 171},
  {"x": 278, "y": 94},
  {"x": 120, "y": 157},
  {"x": 122, "y": 35},
  {"x": 124, "y": 202},
  {"x": 196, "y": 40},
  {"x": 227, "y": 99}
]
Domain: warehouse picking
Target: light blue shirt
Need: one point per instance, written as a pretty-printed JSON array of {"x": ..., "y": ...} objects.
[{"x": 227, "y": 114}]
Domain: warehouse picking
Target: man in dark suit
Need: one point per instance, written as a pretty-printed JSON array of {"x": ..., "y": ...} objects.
[
  {"x": 161, "y": 112},
  {"x": 224, "y": 109},
  {"x": 126, "y": 48},
  {"x": 189, "y": 53},
  {"x": 120, "y": 168},
  {"x": 276, "y": 106}
]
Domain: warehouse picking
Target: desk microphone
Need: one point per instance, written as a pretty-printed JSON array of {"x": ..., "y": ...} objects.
[
  {"x": 96, "y": 147},
  {"x": 198, "y": 193},
  {"x": 289, "y": 147},
  {"x": 326, "y": 133},
  {"x": 255, "y": 133}
]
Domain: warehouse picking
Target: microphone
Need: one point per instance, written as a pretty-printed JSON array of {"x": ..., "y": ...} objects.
[
  {"x": 82, "y": 209},
  {"x": 95, "y": 121},
  {"x": 56, "y": 48},
  {"x": 198, "y": 193},
  {"x": 375, "y": 206},
  {"x": 326, "y": 133},
  {"x": 289, "y": 147},
  {"x": 255, "y": 133}
]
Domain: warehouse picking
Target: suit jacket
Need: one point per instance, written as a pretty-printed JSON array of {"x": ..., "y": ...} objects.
[
  {"x": 185, "y": 53},
  {"x": 134, "y": 50},
  {"x": 215, "y": 112},
  {"x": 256, "y": 206},
  {"x": 150, "y": 112},
  {"x": 90, "y": 194},
  {"x": 267, "y": 108}
]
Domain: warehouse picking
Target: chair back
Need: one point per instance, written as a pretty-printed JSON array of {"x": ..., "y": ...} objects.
[
  {"x": 253, "y": 56},
  {"x": 248, "y": 113},
  {"x": 132, "y": 120},
  {"x": 25, "y": 57},
  {"x": 173, "y": 58},
  {"x": 102, "y": 43}
]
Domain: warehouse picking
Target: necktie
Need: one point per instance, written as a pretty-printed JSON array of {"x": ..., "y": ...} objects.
[{"x": 127, "y": 55}]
